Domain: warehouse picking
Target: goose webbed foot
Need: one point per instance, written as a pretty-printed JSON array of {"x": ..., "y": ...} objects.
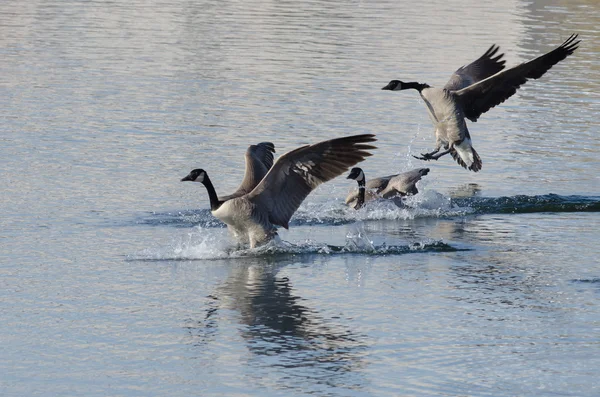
[
  {"x": 432, "y": 155},
  {"x": 424, "y": 156}
]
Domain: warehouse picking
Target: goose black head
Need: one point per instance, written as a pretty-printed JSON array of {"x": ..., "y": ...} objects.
[
  {"x": 196, "y": 175},
  {"x": 394, "y": 85},
  {"x": 357, "y": 174}
]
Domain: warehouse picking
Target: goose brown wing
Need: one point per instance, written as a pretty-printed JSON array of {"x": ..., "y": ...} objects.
[
  {"x": 259, "y": 159},
  {"x": 480, "y": 97},
  {"x": 298, "y": 172},
  {"x": 373, "y": 185},
  {"x": 406, "y": 182},
  {"x": 378, "y": 184},
  {"x": 483, "y": 67}
]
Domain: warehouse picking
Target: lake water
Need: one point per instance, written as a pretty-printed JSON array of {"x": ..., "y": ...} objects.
[{"x": 115, "y": 279}]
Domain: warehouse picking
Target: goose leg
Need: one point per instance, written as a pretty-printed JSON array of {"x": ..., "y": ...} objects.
[{"x": 437, "y": 156}]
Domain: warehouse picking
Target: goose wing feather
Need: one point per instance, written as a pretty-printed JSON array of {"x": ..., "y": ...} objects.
[
  {"x": 298, "y": 172},
  {"x": 373, "y": 186},
  {"x": 378, "y": 184},
  {"x": 483, "y": 67},
  {"x": 405, "y": 182},
  {"x": 480, "y": 97},
  {"x": 259, "y": 160}
]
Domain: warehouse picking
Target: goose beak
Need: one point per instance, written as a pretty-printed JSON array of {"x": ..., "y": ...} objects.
[
  {"x": 387, "y": 87},
  {"x": 187, "y": 178}
]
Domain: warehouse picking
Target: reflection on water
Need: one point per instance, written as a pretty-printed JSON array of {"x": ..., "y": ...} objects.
[
  {"x": 274, "y": 322},
  {"x": 465, "y": 191}
]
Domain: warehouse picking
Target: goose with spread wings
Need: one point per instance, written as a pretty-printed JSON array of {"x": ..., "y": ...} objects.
[
  {"x": 392, "y": 187},
  {"x": 253, "y": 217},
  {"x": 473, "y": 90}
]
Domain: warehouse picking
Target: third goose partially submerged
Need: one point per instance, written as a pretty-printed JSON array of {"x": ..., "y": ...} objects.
[
  {"x": 473, "y": 90},
  {"x": 387, "y": 187}
]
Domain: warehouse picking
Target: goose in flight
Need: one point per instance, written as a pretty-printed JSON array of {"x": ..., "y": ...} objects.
[
  {"x": 473, "y": 90},
  {"x": 388, "y": 187},
  {"x": 253, "y": 217},
  {"x": 259, "y": 160}
]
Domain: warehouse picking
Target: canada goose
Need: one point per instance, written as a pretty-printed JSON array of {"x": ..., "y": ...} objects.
[
  {"x": 252, "y": 217},
  {"x": 473, "y": 90},
  {"x": 388, "y": 187},
  {"x": 259, "y": 160}
]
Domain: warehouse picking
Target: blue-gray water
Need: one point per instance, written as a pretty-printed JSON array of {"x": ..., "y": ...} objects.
[{"x": 116, "y": 280}]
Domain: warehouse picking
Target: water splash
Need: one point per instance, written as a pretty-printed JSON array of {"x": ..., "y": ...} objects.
[
  {"x": 424, "y": 205},
  {"x": 204, "y": 244}
]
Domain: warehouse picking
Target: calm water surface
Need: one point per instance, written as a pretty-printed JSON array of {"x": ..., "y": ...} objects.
[{"x": 116, "y": 280}]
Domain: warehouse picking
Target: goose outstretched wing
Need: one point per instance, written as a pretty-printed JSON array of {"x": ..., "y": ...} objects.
[
  {"x": 483, "y": 67},
  {"x": 480, "y": 97},
  {"x": 298, "y": 172},
  {"x": 405, "y": 182}
]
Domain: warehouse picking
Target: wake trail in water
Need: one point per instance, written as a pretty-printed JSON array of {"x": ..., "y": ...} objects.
[
  {"x": 429, "y": 204},
  {"x": 522, "y": 204}
]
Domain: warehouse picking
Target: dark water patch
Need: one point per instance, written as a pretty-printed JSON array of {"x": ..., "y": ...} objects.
[
  {"x": 591, "y": 282},
  {"x": 583, "y": 284},
  {"x": 522, "y": 204},
  {"x": 595, "y": 280}
]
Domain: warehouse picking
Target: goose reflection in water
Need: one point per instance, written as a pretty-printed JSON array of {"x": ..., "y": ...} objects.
[{"x": 276, "y": 323}]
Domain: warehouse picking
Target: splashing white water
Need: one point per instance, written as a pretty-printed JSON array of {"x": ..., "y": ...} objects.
[
  {"x": 214, "y": 243},
  {"x": 428, "y": 203},
  {"x": 200, "y": 243},
  {"x": 210, "y": 244},
  {"x": 358, "y": 239}
]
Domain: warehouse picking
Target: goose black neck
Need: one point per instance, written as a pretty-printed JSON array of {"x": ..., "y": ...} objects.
[
  {"x": 413, "y": 84},
  {"x": 361, "y": 194},
  {"x": 212, "y": 195}
]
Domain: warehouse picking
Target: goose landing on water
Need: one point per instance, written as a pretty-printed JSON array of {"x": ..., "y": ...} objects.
[
  {"x": 387, "y": 187},
  {"x": 253, "y": 217},
  {"x": 473, "y": 90}
]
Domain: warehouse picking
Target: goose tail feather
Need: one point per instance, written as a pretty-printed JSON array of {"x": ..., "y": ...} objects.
[{"x": 466, "y": 156}]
